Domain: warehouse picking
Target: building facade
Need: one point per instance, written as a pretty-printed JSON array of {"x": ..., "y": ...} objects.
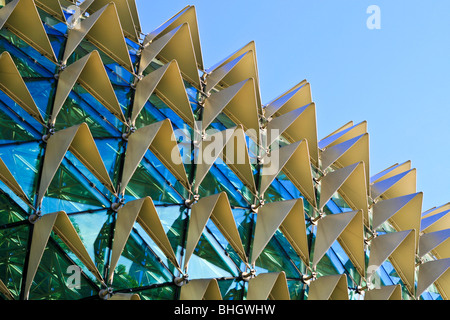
[{"x": 129, "y": 170}]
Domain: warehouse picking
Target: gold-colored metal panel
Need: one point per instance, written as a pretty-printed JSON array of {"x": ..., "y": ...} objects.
[
  {"x": 12, "y": 84},
  {"x": 395, "y": 186},
  {"x": 271, "y": 286},
  {"x": 436, "y": 272},
  {"x": 235, "y": 68},
  {"x": 288, "y": 216},
  {"x": 436, "y": 222},
  {"x": 201, "y": 289},
  {"x": 144, "y": 212},
  {"x": 167, "y": 83},
  {"x": 124, "y": 12},
  {"x": 348, "y": 152},
  {"x": 103, "y": 29},
  {"x": 333, "y": 287},
  {"x": 41, "y": 233},
  {"x": 385, "y": 293},
  {"x": 402, "y": 212},
  {"x": 53, "y": 7},
  {"x": 175, "y": 45},
  {"x": 186, "y": 15},
  {"x": 350, "y": 182},
  {"x": 344, "y": 135},
  {"x": 64, "y": 228},
  {"x": 149, "y": 220},
  {"x": 348, "y": 229},
  {"x": 438, "y": 242},
  {"x": 5, "y": 291},
  {"x": 125, "y": 297},
  {"x": 238, "y": 102},
  {"x": 7, "y": 178},
  {"x": 160, "y": 140},
  {"x": 235, "y": 154},
  {"x": 391, "y": 171},
  {"x": 296, "y": 97},
  {"x": 22, "y": 18},
  {"x": 79, "y": 141},
  {"x": 90, "y": 72},
  {"x": 230, "y": 145},
  {"x": 344, "y": 127},
  {"x": 400, "y": 248},
  {"x": 294, "y": 161},
  {"x": 216, "y": 207},
  {"x": 436, "y": 210},
  {"x": 296, "y": 125}
]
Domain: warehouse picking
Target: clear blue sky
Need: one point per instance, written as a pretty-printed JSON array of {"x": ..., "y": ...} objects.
[{"x": 397, "y": 78}]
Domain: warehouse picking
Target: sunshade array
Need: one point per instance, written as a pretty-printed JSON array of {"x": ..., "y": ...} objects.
[{"x": 125, "y": 157}]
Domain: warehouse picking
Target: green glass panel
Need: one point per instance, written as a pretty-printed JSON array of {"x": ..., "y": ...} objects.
[
  {"x": 274, "y": 259},
  {"x": 296, "y": 290},
  {"x": 209, "y": 260},
  {"x": 145, "y": 183},
  {"x": 326, "y": 267},
  {"x": 72, "y": 193},
  {"x": 139, "y": 266},
  {"x": 231, "y": 289},
  {"x": 51, "y": 281},
  {"x": 167, "y": 292},
  {"x": 12, "y": 130},
  {"x": 23, "y": 161},
  {"x": 10, "y": 212},
  {"x": 13, "y": 251}
]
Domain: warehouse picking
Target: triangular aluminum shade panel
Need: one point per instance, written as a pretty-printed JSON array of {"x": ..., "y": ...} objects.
[
  {"x": 344, "y": 127},
  {"x": 5, "y": 291},
  {"x": 167, "y": 84},
  {"x": 332, "y": 287},
  {"x": 103, "y": 29},
  {"x": 125, "y": 297},
  {"x": 400, "y": 249},
  {"x": 438, "y": 242},
  {"x": 391, "y": 171},
  {"x": 294, "y": 161},
  {"x": 237, "y": 67},
  {"x": 160, "y": 139},
  {"x": 78, "y": 140},
  {"x": 297, "y": 97},
  {"x": 127, "y": 21},
  {"x": 348, "y": 152},
  {"x": 175, "y": 45},
  {"x": 403, "y": 213},
  {"x": 296, "y": 125},
  {"x": 436, "y": 210},
  {"x": 238, "y": 102},
  {"x": 348, "y": 229},
  {"x": 436, "y": 222},
  {"x": 288, "y": 216},
  {"x": 11, "y": 83},
  {"x": 201, "y": 289},
  {"x": 395, "y": 186},
  {"x": 8, "y": 179},
  {"x": 53, "y": 7},
  {"x": 217, "y": 208},
  {"x": 350, "y": 183},
  {"x": 344, "y": 135},
  {"x": 59, "y": 223},
  {"x": 186, "y": 15},
  {"x": 22, "y": 18},
  {"x": 144, "y": 212},
  {"x": 437, "y": 272},
  {"x": 230, "y": 144},
  {"x": 271, "y": 286},
  {"x": 90, "y": 72},
  {"x": 384, "y": 293}
]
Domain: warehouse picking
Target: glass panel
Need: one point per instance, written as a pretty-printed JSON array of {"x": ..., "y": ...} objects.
[
  {"x": 10, "y": 212},
  {"x": 167, "y": 292},
  {"x": 231, "y": 289}
]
